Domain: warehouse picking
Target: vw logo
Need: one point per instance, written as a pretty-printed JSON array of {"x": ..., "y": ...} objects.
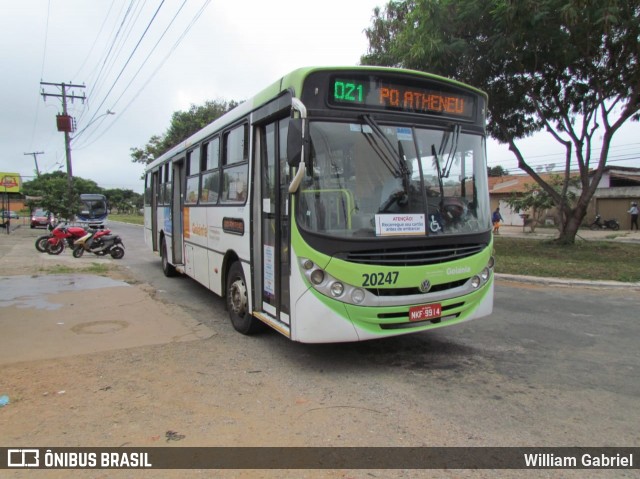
[{"x": 425, "y": 286}]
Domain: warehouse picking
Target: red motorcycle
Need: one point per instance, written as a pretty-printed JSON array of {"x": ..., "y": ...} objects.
[
  {"x": 41, "y": 241},
  {"x": 62, "y": 234}
]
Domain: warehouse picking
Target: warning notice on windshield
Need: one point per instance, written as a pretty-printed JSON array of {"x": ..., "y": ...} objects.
[{"x": 400, "y": 225}]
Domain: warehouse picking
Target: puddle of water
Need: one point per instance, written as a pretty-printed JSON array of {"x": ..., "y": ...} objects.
[{"x": 32, "y": 291}]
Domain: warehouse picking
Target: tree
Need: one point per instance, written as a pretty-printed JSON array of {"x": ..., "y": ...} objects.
[
  {"x": 124, "y": 201},
  {"x": 536, "y": 201},
  {"x": 52, "y": 189},
  {"x": 497, "y": 171},
  {"x": 569, "y": 67},
  {"x": 183, "y": 125}
]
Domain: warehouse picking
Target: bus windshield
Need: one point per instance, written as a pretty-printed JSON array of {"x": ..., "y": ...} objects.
[
  {"x": 372, "y": 180},
  {"x": 93, "y": 209}
]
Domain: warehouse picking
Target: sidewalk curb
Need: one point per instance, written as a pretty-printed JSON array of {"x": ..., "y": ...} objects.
[{"x": 567, "y": 282}]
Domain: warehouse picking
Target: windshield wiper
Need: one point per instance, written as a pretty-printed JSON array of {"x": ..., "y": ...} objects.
[
  {"x": 388, "y": 162},
  {"x": 455, "y": 135},
  {"x": 444, "y": 171},
  {"x": 402, "y": 170}
]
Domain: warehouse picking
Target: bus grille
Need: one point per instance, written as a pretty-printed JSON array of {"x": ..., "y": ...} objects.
[
  {"x": 417, "y": 257},
  {"x": 415, "y": 291}
]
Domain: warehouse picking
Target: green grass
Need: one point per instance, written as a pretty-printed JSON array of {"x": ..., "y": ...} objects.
[
  {"x": 93, "y": 268},
  {"x": 133, "y": 219},
  {"x": 589, "y": 260}
]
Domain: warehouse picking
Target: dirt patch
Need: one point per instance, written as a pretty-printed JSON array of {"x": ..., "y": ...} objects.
[{"x": 52, "y": 316}]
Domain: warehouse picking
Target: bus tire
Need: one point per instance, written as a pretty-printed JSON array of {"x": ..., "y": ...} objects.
[
  {"x": 167, "y": 268},
  {"x": 237, "y": 301}
]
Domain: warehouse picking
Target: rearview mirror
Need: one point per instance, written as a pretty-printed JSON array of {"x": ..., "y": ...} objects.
[{"x": 297, "y": 142}]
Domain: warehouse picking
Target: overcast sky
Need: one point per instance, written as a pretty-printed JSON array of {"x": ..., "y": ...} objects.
[{"x": 191, "y": 52}]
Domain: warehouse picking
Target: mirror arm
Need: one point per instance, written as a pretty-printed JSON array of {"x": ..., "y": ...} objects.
[
  {"x": 295, "y": 183},
  {"x": 296, "y": 104}
]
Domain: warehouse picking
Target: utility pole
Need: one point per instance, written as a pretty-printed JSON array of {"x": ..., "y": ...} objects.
[
  {"x": 34, "y": 153},
  {"x": 66, "y": 124}
]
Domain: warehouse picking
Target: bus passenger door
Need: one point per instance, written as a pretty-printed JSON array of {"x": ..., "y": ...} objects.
[
  {"x": 177, "y": 203},
  {"x": 275, "y": 227},
  {"x": 154, "y": 209}
]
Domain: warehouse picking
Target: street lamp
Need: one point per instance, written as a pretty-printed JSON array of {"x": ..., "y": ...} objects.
[{"x": 108, "y": 112}]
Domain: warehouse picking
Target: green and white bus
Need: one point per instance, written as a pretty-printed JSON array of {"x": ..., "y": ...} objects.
[{"x": 338, "y": 204}]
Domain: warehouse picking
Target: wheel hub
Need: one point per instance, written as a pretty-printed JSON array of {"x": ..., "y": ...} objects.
[{"x": 238, "y": 297}]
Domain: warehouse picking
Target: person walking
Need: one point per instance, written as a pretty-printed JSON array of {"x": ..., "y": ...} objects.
[
  {"x": 496, "y": 218},
  {"x": 633, "y": 211}
]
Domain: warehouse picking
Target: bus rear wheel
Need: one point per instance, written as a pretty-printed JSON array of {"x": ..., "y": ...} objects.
[
  {"x": 167, "y": 268},
  {"x": 237, "y": 301}
]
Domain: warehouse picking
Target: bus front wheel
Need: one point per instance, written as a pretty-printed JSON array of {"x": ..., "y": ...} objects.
[{"x": 238, "y": 302}]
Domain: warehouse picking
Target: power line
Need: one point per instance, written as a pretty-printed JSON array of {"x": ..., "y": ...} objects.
[
  {"x": 120, "y": 42},
  {"x": 46, "y": 35},
  {"x": 173, "y": 48},
  {"x": 93, "y": 76},
  {"x": 144, "y": 62},
  {"x": 128, "y": 60},
  {"x": 44, "y": 56},
  {"x": 95, "y": 41},
  {"x": 535, "y": 160},
  {"x": 113, "y": 43}
]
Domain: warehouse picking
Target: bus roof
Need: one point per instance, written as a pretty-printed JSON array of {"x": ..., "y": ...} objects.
[
  {"x": 92, "y": 196},
  {"x": 293, "y": 82}
]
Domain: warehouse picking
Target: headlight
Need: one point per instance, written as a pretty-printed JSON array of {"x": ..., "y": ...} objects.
[
  {"x": 317, "y": 276},
  {"x": 475, "y": 281},
  {"x": 357, "y": 295},
  {"x": 484, "y": 274},
  {"x": 337, "y": 289},
  {"x": 329, "y": 286}
]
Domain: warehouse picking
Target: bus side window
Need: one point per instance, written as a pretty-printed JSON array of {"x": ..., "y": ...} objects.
[
  {"x": 235, "y": 165},
  {"x": 147, "y": 189},
  {"x": 210, "y": 188},
  {"x": 167, "y": 185},
  {"x": 193, "y": 176}
]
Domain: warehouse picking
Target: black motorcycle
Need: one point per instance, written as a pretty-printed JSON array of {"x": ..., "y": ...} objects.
[
  {"x": 99, "y": 244},
  {"x": 598, "y": 224}
]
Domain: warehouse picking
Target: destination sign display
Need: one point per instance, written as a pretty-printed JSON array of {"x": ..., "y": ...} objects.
[{"x": 378, "y": 93}]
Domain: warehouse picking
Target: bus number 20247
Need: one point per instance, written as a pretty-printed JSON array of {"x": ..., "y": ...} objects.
[{"x": 379, "y": 279}]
